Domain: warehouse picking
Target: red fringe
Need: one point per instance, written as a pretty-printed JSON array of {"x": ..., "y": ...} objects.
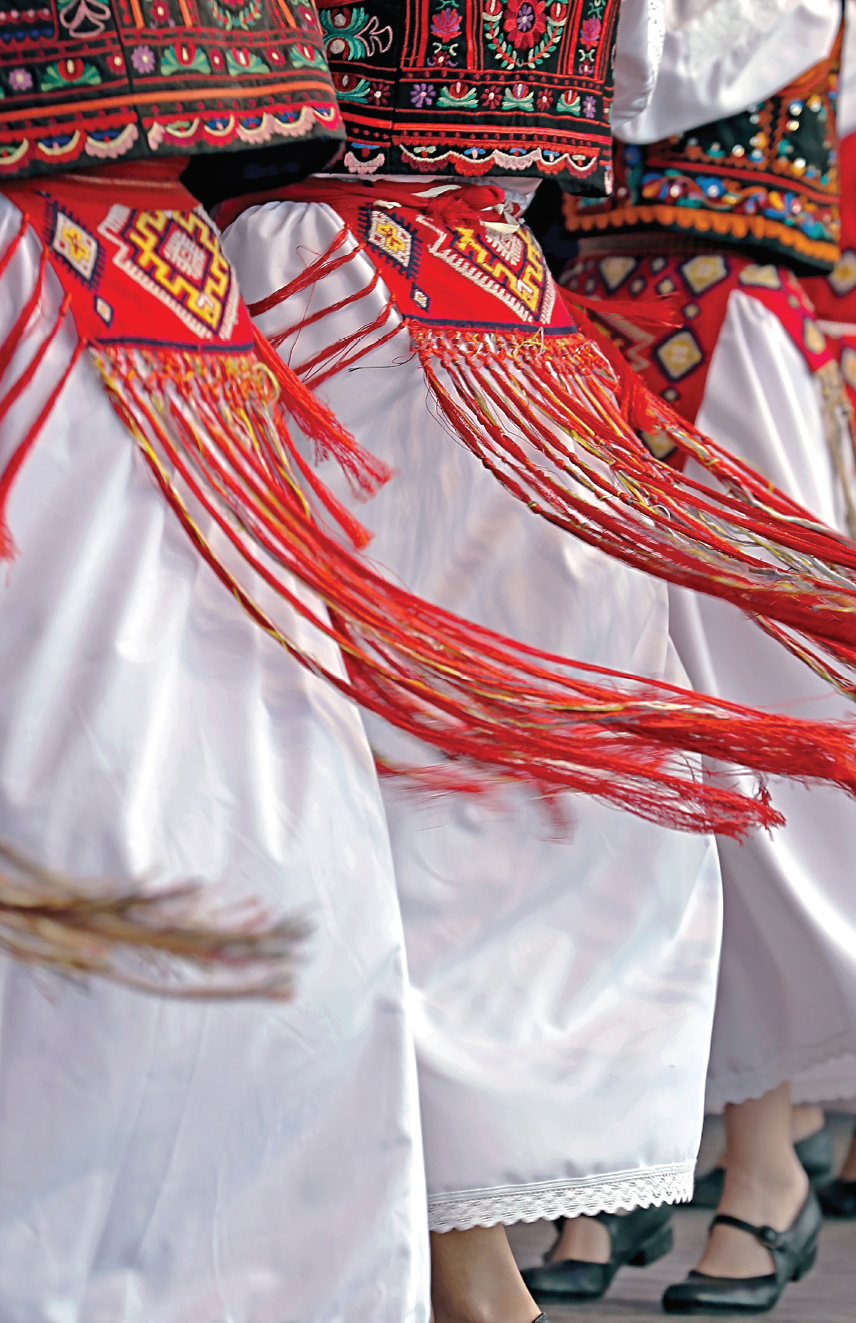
[{"x": 216, "y": 441}]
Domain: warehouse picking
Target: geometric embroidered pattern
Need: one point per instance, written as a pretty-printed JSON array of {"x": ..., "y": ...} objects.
[
  {"x": 842, "y": 278},
  {"x": 679, "y": 354},
  {"x": 703, "y": 272},
  {"x": 177, "y": 257},
  {"x": 615, "y": 270},
  {"x": 391, "y": 238},
  {"x": 80, "y": 249},
  {"x": 760, "y": 277}
]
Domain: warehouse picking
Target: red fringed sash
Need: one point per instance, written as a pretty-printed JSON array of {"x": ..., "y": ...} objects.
[
  {"x": 556, "y": 415},
  {"x": 154, "y": 303}
]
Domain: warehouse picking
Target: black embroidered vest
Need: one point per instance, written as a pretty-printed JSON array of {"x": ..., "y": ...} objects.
[
  {"x": 476, "y": 87},
  {"x": 766, "y": 178},
  {"x": 90, "y": 82}
]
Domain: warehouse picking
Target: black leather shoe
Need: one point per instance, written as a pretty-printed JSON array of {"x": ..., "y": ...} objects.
[
  {"x": 794, "y": 1252},
  {"x": 814, "y": 1152},
  {"x": 838, "y": 1199},
  {"x": 637, "y": 1238}
]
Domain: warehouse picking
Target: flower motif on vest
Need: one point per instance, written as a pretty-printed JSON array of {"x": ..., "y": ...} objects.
[
  {"x": 93, "y": 81},
  {"x": 476, "y": 88}
]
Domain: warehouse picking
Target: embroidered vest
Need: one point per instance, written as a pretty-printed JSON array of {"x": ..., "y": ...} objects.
[
  {"x": 86, "y": 82},
  {"x": 766, "y": 178},
  {"x": 476, "y": 87}
]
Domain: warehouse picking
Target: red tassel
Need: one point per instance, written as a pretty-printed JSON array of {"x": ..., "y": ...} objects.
[{"x": 495, "y": 708}]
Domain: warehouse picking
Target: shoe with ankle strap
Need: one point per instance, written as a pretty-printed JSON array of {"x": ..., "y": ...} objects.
[
  {"x": 637, "y": 1238},
  {"x": 794, "y": 1252}
]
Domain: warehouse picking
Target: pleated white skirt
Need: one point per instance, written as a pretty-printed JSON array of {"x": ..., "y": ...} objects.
[
  {"x": 167, "y": 1163},
  {"x": 563, "y": 982},
  {"x": 786, "y": 1007}
]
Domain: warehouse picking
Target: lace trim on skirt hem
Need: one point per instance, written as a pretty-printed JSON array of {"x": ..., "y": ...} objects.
[
  {"x": 586, "y": 1195},
  {"x": 737, "y": 1088}
]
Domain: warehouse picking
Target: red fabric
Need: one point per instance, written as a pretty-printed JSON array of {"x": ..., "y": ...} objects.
[
  {"x": 690, "y": 293},
  {"x": 140, "y": 261},
  {"x": 426, "y": 246},
  {"x": 834, "y": 295}
]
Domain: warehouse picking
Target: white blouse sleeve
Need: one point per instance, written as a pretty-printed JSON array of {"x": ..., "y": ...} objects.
[
  {"x": 638, "y": 52},
  {"x": 720, "y": 56},
  {"x": 847, "y": 83}
]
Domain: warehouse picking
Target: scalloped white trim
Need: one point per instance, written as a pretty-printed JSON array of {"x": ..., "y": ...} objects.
[
  {"x": 586, "y": 1195},
  {"x": 737, "y": 1088}
]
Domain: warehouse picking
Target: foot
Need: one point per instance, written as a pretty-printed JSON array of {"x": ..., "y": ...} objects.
[
  {"x": 774, "y": 1203},
  {"x": 474, "y": 1279},
  {"x": 584, "y": 1239}
]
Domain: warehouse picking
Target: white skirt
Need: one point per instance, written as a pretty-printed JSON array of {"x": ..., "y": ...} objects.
[
  {"x": 786, "y": 1007},
  {"x": 563, "y": 983},
  {"x": 165, "y": 1162}
]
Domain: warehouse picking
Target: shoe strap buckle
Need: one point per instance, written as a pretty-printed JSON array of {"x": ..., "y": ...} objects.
[{"x": 768, "y": 1236}]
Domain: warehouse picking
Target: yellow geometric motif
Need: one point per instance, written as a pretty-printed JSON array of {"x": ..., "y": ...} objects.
[
  {"x": 843, "y": 277},
  {"x": 848, "y": 366},
  {"x": 75, "y": 244},
  {"x": 761, "y": 277},
  {"x": 176, "y": 256},
  {"x": 704, "y": 271},
  {"x": 815, "y": 341},
  {"x": 512, "y": 268},
  {"x": 392, "y": 238},
  {"x": 679, "y": 355}
]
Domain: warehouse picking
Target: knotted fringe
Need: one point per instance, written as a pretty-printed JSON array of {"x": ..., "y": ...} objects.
[
  {"x": 213, "y": 432},
  {"x": 559, "y": 419},
  {"x": 561, "y": 431}
]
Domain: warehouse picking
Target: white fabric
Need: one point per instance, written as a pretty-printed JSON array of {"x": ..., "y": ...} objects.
[
  {"x": 562, "y": 983},
  {"x": 845, "y": 110},
  {"x": 720, "y": 56},
  {"x": 787, "y": 991},
  {"x": 638, "y": 52},
  {"x": 166, "y": 1163}
]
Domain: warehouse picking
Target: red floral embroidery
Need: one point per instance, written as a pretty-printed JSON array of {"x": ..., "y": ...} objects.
[
  {"x": 446, "y": 25},
  {"x": 526, "y": 22}
]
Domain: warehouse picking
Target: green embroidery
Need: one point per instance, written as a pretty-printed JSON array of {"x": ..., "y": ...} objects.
[
  {"x": 359, "y": 92},
  {"x": 240, "y": 20},
  {"x": 469, "y": 101},
  {"x": 522, "y": 100},
  {"x": 182, "y": 59},
  {"x": 66, "y": 74},
  {"x": 566, "y": 107},
  {"x": 305, "y": 57},
  {"x": 240, "y": 62}
]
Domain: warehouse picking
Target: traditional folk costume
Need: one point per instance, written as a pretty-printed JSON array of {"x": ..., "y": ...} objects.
[
  {"x": 563, "y": 955},
  {"x": 161, "y": 1160},
  {"x": 726, "y": 196}
]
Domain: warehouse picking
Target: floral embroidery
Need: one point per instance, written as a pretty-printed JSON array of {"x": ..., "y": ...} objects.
[
  {"x": 525, "y": 22},
  {"x": 523, "y": 31},
  {"x": 422, "y": 94},
  {"x": 476, "y": 86},
  {"x": 20, "y": 80},
  {"x": 143, "y": 59},
  {"x": 97, "y": 92},
  {"x": 768, "y": 175}
]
